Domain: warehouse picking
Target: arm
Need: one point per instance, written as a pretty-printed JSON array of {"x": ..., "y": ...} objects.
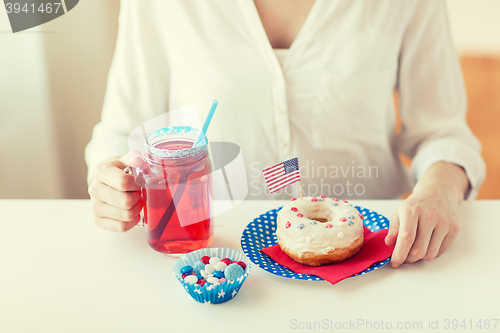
[{"x": 447, "y": 164}]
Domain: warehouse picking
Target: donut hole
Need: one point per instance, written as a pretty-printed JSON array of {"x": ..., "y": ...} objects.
[
  {"x": 322, "y": 215},
  {"x": 320, "y": 219}
]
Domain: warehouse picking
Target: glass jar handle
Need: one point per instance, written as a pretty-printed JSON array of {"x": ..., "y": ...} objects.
[{"x": 137, "y": 172}]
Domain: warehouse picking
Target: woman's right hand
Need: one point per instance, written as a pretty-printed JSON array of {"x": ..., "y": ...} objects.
[{"x": 115, "y": 197}]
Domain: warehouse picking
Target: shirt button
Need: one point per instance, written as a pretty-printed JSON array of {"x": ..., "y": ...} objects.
[
  {"x": 283, "y": 144},
  {"x": 280, "y": 111}
]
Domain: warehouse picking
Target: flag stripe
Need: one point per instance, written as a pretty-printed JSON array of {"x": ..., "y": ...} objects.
[
  {"x": 283, "y": 177},
  {"x": 282, "y": 185},
  {"x": 282, "y": 174}
]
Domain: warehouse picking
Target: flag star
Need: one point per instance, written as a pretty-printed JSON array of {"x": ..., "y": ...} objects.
[
  {"x": 221, "y": 294},
  {"x": 340, "y": 235},
  {"x": 309, "y": 238}
]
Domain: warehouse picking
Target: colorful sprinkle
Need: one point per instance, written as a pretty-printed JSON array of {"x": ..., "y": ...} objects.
[
  {"x": 350, "y": 222},
  {"x": 343, "y": 219},
  {"x": 350, "y": 217},
  {"x": 323, "y": 196},
  {"x": 345, "y": 201},
  {"x": 329, "y": 225},
  {"x": 308, "y": 238},
  {"x": 340, "y": 235},
  {"x": 300, "y": 215},
  {"x": 288, "y": 224},
  {"x": 294, "y": 209},
  {"x": 335, "y": 203},
  {"x": 293, "y": 199},
  {"x": 300, "y": 226},
  {"x": 321, "y": 199},
  {"x": 341, "y": 223},
  {"x": 335, "y": 199},
  {"x": 314, "y": 199},
  {"x": 313, "y": 222}
]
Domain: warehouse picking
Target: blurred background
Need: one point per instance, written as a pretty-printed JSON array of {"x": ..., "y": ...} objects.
[{"x": 53, "y": 80}]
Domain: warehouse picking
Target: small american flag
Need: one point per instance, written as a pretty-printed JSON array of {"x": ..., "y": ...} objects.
[{"x": 282, "y": 174}]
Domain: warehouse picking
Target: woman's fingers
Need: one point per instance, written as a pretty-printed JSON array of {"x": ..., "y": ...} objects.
[
  {"x": 105, "y": 210},
  {"x": 408, "y": 219},
  {"x": 109, "y": 195},
  {"x": 392, "y": 234},
  {"x": 115, "y": 225},
  {"x": 111, "y": 173}
]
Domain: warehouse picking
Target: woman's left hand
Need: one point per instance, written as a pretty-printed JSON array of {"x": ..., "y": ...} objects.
[{"x": 426, "y": 223}]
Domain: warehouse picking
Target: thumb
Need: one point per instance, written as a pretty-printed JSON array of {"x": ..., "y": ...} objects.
[{"x": 392, "y": 235}]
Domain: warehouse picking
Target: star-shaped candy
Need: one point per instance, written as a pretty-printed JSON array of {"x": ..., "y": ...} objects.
[{"x": 340, "y": 235}]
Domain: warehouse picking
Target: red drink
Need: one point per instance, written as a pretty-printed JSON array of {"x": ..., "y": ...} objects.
[{"x": 177, "y": 196}]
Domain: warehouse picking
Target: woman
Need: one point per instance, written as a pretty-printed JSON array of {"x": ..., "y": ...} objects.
[{"x": 305, "y": 78}]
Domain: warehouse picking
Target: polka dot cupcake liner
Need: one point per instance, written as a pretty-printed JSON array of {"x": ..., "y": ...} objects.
[
  {"x": 261, "y": 233},
  {"x": 212, "y": 294}
]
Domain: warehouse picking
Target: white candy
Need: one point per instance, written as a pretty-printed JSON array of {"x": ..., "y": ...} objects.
[
  {"x": 220, "y": 266},
  {"x": 203, "y": 273},
  {"x": 191, "y": 279},
  {"x": 213, "y": 261},
  {"x": 213, "y": 280},
  {"x": 209, "y": 268}
]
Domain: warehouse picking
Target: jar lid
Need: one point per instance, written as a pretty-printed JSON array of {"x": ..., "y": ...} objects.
[{"x": 174, "y": 133}]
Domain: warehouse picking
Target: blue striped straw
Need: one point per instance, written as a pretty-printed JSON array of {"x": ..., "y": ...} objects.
[{"x": 201, "y": 135}]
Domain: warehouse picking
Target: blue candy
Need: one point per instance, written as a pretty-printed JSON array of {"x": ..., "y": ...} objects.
[
  {"x": 350, "y": 222},
  {"x": 198, "y": 266},
  {"x": 218, "y": 274},
  {"x": 321, "y": 199},
  {"x": 233, "y": 271},
  {"x": 313, "y": 222},
  {"x": 199, "y": 276},
  {"x": 186, "y": 270},
  {"x": 300, "y": 226},
  {"x": 350, "y": 217}
]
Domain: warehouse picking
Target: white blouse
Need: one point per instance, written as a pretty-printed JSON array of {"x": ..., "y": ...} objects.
[{"x": 330, "y": 102}]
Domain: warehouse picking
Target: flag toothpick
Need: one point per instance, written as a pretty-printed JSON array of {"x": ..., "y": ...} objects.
[{"x": 282, "y": 174}]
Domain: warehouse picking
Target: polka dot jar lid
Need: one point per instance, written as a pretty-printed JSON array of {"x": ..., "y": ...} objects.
[{"x": 260, "y": 233}]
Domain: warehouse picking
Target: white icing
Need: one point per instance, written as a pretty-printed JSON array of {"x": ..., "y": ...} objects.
[{"x": 317, "y": 237}]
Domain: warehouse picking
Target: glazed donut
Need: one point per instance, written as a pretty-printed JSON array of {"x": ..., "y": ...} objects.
[{"x": 319, "y": 230}]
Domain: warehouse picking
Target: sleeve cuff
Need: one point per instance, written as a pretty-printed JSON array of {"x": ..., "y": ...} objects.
[{"x": 448, "y": 150}]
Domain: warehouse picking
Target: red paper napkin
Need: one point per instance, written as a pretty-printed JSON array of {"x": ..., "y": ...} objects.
[{"x": 373, "y": 250}]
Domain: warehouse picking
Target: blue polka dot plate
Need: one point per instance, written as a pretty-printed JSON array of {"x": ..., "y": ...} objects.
[{"x": 260, "y": 233}]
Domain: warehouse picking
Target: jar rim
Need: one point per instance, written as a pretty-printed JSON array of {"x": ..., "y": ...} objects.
[{"x": 177, "y": 132}]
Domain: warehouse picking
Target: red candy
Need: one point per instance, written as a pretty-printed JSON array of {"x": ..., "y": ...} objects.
[
  {"x": 293, "y": 199},
  {"x": 288, "y": 224},
  {"x": 329, "y": 225},
  {"x": 343, "y": 219},
  {"x": 323, "y": 196},
  {"x": 335, "y": 199},
  {"x": 241, "y": 263},
  {"x": 345, "y": 201},
  {"x": 201, "y": 282},
  {"x": 314, "y": 199},
  {"x": 294, "y": 209},
  {"x": 300, "y": 215},
  {"x": 205, "y": 260},
  {"x": 227, "y": 261},
  {"x": 184, "y": 275}
]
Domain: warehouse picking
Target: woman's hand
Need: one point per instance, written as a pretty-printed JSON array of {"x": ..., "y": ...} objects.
[
  {"x": 426, "y": 223},
  {"x": 115, "y": 197}
]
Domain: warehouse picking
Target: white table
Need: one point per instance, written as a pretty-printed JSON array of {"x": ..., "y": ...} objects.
[{"x": 60, "y": 273}]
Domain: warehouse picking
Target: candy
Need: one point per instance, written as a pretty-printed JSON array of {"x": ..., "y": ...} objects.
[
  {"x": 313, "y": 222},
  {"x": 241, "y": 263},
  {"x": 300, "y": 215},
  {"x": 218, "y": 274},
  {"x": 340, "y": 235},
  {"x": 184, "y": 275},
  {"x": 329, "y": 225},
  {"x": 227, "y": 261},
  {"x": 220, "y": 266},
  {"x": 300, "y": 226},
  {"x": 322, "y": 196},
  {"x": 198, "y": 266},
  {"x": 343, "y": 219},
  {"x": 198, "y": 276},
  {"x": 201, "y": 282},
  {"x": 314, "y": 199},
  {"x": 222, "y": 280},
  {"x": 214, "y": 261},
  {"x": 350, "y": 216},
  {"x": 213, "y": 280},
  {"x": 209, "y": 268},
  {"x": 233, "y": 271},
  {"x": 345, "y": 201},
  {"x": 294, "y": 209},
  {"x": 293, "y": 199},
  {"x": 204, "y": 274},
  {"x": 350, "y": 222},
  {"x": 186, "y": 269},
  {"x": 335, "y": 199},
  {"x": 335, "y": 203},
  {"x": 190, "y": 279},
  {"x": 287, "y": 224},
  {"x": 205, "y": 259},
  {"x": 321, "y": 199}
]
